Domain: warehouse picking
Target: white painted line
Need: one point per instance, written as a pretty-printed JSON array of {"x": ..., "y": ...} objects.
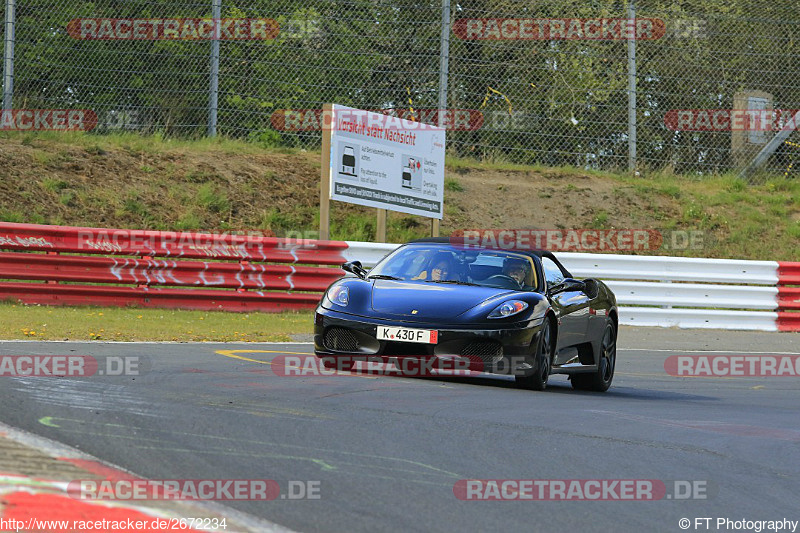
[
  {"x": 56, "y": 450},
  {"x": 209, "y": 343},
  {"x": 705, "y": 351}
]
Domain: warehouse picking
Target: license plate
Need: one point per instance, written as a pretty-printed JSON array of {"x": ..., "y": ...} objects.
[{"x": 424, "y": 336}]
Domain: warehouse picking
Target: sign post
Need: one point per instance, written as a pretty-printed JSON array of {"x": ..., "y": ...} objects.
[
  {"x": 380, "y": 231},
  {"x": 325, "y": 175}
]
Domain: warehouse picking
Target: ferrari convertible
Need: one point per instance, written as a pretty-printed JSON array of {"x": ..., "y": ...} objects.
[{"x": 506, "y": 312}]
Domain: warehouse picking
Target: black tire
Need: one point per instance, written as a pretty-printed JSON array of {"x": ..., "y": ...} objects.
[
  {"x": 337, "y": 363},
  {"x": 600, "y": 380},
  {"x": 538, "y": 380}
]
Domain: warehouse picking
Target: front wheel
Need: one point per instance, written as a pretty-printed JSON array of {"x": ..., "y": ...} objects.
[
  {"x": 601, "y": 379},
  {"x": 538, "y": 380}
]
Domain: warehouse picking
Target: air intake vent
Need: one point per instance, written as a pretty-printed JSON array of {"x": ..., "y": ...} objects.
[
  {"x": 487, "y": 351},
  {"x": 341, "y": 340}
]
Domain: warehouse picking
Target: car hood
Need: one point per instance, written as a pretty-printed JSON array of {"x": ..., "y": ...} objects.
[{"x": 431, "y": 301}]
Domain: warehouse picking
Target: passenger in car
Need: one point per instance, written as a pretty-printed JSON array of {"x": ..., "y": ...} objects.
[{"x": 442, "y": 269}]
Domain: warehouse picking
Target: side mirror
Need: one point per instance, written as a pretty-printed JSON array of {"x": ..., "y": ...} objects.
[
  {"x": 354, "y": 267},
  {"x": 568, "y": 285}
]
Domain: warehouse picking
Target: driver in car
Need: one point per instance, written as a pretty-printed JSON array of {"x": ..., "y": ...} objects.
[{"x": 517, "y": 269}]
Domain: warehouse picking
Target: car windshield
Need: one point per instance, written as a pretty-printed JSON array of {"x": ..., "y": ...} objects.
[{"x": 449, "y": 264}]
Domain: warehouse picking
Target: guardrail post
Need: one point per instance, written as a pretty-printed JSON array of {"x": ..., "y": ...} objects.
[{"x": 666, "y": 306}]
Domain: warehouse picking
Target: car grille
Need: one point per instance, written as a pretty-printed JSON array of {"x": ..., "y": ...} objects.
[
  {"x": 486, "y": 351},
  {"x": 341, "y": 340}
]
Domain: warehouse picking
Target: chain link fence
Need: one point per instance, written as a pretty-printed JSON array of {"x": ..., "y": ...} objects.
[{"x": 604, "y": 84}]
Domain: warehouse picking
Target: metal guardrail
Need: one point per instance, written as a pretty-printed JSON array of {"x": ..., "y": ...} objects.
[
  {"x": 678, "y": 291},
  {"x": 246, "y": 273},
  {"x": 164, "y": 269},
  {"x": 642, "y": 293},
  {"x": 661, "y": 268}
]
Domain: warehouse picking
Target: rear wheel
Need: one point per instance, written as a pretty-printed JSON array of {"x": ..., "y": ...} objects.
[
  {"x": 600, "y": 380},
  {"x": 538, "y": 380}
]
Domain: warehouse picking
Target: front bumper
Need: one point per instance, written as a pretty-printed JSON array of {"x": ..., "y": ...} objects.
[{"x": 502, "y": 348}]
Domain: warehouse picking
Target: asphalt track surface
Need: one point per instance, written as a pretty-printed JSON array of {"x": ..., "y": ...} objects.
[{"x": 388, "y": 450}]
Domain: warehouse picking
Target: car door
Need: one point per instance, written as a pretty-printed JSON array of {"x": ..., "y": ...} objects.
[{"x": 571, "y": 307}]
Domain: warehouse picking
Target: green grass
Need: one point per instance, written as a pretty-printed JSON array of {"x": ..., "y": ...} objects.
[
  {"x": 130, "y": 324},
  {"x": 54, "y": 185},
  {"x": 749, "y": 221},
  {"x": 212, "y": 199},
  {"x": 133, "y": 142},
  {"x": 600, "y": 219},
  {"x": 452, "y": 184}
]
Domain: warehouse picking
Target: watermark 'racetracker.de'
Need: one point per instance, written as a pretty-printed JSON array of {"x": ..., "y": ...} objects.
[
  {"x": 211, "y": 244},
  {"x": 407, "y": 366},
  {"x": 72, "y": 366},
  {"x": 580, "y": 489},
  {"x": 578, "y": 240},
  {"x": 312, "y": 119},
  {"x": 730, "y": 119},
  {"x": 592, "y": 29},
  {"x": 48, "y": 120},
  {"x": 722, "y": 365},
  {"x": 178, "y": 29},
  {"x": 192, "y": 489}
]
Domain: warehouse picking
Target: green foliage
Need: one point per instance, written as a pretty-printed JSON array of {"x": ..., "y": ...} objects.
[
  {"x": 14, "y": 216},
  {"x": 452, "y": 184},
  {"x": 54, "y": 185},
  {"x": 558, "y": 102},
  {"x": 190, "y": 221},
  {"x": 266, "y": 138},
  {"x": 600, "y": 220},
  {"x": 212, "y": 199}
]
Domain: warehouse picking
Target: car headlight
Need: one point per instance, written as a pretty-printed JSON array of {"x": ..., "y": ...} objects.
[
  {"x": 339, "y": 295},
  {"x": 509, "y": 308}
]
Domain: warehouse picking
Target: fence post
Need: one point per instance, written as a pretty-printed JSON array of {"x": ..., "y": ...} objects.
[
  {"x": 213, "y": 91},
  {"x": 444, "y": 64},
  {"x": 631, "y": 90},
  {"x": 444, "y": 59},
  {"x": 8, "y": 58}
]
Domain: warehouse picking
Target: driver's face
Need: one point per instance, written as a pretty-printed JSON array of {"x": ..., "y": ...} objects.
[{"x": 517, "y": 272}]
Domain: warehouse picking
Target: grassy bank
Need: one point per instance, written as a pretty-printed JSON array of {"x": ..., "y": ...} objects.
[
  {"x": 131, "y": 181},
  {"x": 126, "y": 324}
]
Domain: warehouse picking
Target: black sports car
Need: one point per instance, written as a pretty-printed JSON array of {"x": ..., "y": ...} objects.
[{"x": 506, "y": 312}]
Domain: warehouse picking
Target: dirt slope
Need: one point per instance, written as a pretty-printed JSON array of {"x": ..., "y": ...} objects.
[{"x": 131, "y": 182}]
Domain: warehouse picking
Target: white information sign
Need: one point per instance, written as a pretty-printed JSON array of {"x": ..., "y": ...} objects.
[{"x": 387, "y": 162}]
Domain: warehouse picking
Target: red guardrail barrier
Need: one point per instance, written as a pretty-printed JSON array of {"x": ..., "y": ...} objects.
[
  {"x": 134, "y": 271},
  {"x": 229, "y": 262},
  {"x": 788, "y": 321},
  {"x": 144, "y": 243},
  {"x": 788, "y": 273},
  {"x": 199, "y": 299},
  {"x": 788, "y": 297}
]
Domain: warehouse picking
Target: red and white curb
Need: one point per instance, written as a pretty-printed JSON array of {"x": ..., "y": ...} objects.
[{"x": 25, "y": 498}]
